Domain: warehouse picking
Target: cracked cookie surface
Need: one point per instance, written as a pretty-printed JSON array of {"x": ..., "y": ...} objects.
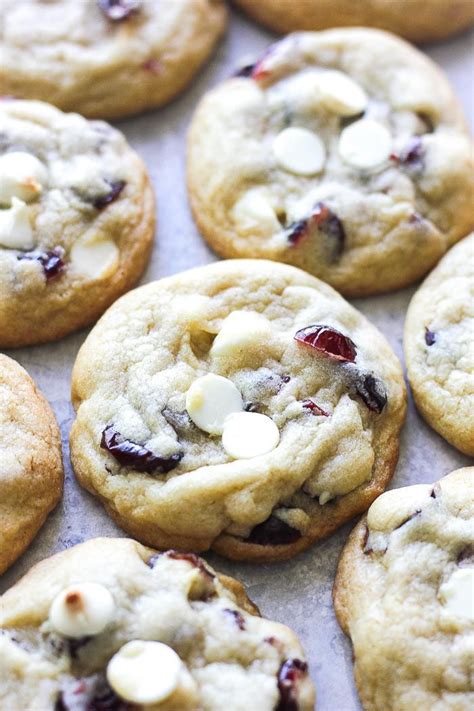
[
  {"x": 439, "y": 346},
  {"x": 342, "y": 152},
  {"x": 417, "y": 20},
  {"x": 31, "y": 471},
  {"x": 404, "y": 595},
  {"x": 76, "y": 221},
  {"x": 226, "y": 655},
  {"x": 105, "y": 58},
  {"x": 243, "y": 406}
]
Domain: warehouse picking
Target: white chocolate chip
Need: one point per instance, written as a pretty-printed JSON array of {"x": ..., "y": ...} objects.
[
  {"x": 15, "y": 228},
  {"x": 144, "y": 672},
  {"x": 249, "y": 434},
  {"x": 254, "y": 212},
  {"x": 210, "y": 399},
  {"x": 457, "y": 594},
  {"x": 82, "y": 609},
  {"x": 365, "y": 144},
  {"x": 341, "y": 94},
  {"x": 299, "y": 151},
  {"x": 241, "y": 330},
  {"x": 95, "y": 258},
  {"x": 22, "y": 176},
  {"x": 394, "y": 507}
]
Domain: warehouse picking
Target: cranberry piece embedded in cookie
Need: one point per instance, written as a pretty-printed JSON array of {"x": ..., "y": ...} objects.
[
  {"x": 324, "y": 220},
  {"x": 104, "y": 200},
  {"x": 191, "y": 558},
  {"x": 328, "y": 341},
  {"x": 237, "y": 617},
  {"x": 430, "y": 337},
  {"x": 315, "y": 409},
  {"x": 289, "y": 675},
  {"x": 90, "y": 694},
  {"x": 372, "y": 391},
  {"x": 52, "y": 261},
  {"x": 412, "y": 155},
  {"x": 273, "y": 532},
  {"x": 118, "y": 10},
  {"x": 135, "y": 456}
]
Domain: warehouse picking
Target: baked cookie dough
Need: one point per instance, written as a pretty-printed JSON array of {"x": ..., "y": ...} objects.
[
  {"x": 76, "y": 221},
  {"x": 105, "y": 58},
  {"x": 439, "y": 347},
  {"x": 112, "y": 625},
  {"x": 343, "y": 152},
  {"x": 31, "y": 471},
  {"x": 404, "y": 593},
  {"x": 243, "y": 406},
  {"x": 417, "y": 20}
]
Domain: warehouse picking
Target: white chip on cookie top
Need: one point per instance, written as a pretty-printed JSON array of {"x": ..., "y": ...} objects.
[
  {"x": 249, "y": 434},
  {"x": 82, "y": 610},
  {"x": 365, "y": 144},
  {"x": 95, "y": 258},
  {"x": 457, "y": 594},
  {"x": 22, "y": 176},
  {"x": 341, "y": 94},
  {"x": 15, "y": 227},
  {"x": 210, "y": 399},
  {"x": 144, "y": 672},
  {"x": 241, "y": 330},
  {"x": 299, "y": 151},
  {"x": 254, "y": 211}
]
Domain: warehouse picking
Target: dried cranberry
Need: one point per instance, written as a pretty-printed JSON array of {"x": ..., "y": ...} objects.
[
  {"x": 290, "y": 673},
  {"x": 90, "y": 694},
  {"x": 104, "y": 200},
  {"x": 135, "y": 456},
  {"x": 328, "y": 341},
  {"x": 286, "y": 378},
  {"x": 372, "y": 391},
  {"x": 324, "y": 220},
  {"x": 430, "y": 337},
  {"x": 191, "y": 558},
  {"x": 273, "y": 532},
  {"x": 152, "y": 65},
  {"x": 412, "y": 155},
  {"x": 118, "y": 10},
  {"x": 52, "y": 261},
  {"x": 237, "y": 617},
  {"x": 315, "y": 409}
]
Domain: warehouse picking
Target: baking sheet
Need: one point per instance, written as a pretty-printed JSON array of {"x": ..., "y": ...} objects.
[{"x": 298, "y": 591}]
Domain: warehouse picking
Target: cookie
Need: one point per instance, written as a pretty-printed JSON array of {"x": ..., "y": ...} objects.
[
  {"x": 417, "y": 20},
  {"x": 404, "y": 595},
  {"x": 439, "y": 350},
  {"x": 343, "y": 152},
  {"x": 243, "y": 406},
  {"x": 109, "y": 624},
  {"x": 105, "y": 58},
  {"x": 76, "y": 221},
  {"x": 31, "y": 471}
]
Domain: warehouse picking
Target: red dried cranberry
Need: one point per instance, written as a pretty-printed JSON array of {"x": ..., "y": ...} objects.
[
  {"x": 315, "y": 409},
  {"x": 237, "y": 617},
  {"x": 324, "y": 220},
  {"x": 90, "y": 694},
  {"x": 328, "y": 341},
  {"x": 104, "y": 200},
  {"x": 52, "y": 261},
  {"x": 430, "y": 337},
  {"x": 273, "y": 532},
  {"x": 372, "y": 391},
  {"x": 135, "y": 456},
  {"x": 412, "y": 155},
  {"x": 152, "y": 65},
  {"x": 290, "y": 673},
  {"x": 118, "y": 10},
  {"x": 191, "y": 558}
]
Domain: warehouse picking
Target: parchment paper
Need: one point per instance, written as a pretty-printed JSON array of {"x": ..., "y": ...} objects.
[{"x": 297, "y": 592}]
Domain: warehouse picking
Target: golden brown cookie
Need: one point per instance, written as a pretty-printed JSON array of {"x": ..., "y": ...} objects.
[{"x": 31, "y": 472}]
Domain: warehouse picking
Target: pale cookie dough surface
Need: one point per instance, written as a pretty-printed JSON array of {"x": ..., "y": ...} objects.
[
  {"x": 367, "y": 213},
  {"x": 417, "y": 20},
  {"x": 31, "y": 471},
  {"x": 230, "y": 657},
  {"x": 404, "y": 594},
  {"x": 439, "y": 346},
  {"x": 81, "y": 235},
  {"x": 76, "y": 56},
  {"x": 338, "y": 422}
]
